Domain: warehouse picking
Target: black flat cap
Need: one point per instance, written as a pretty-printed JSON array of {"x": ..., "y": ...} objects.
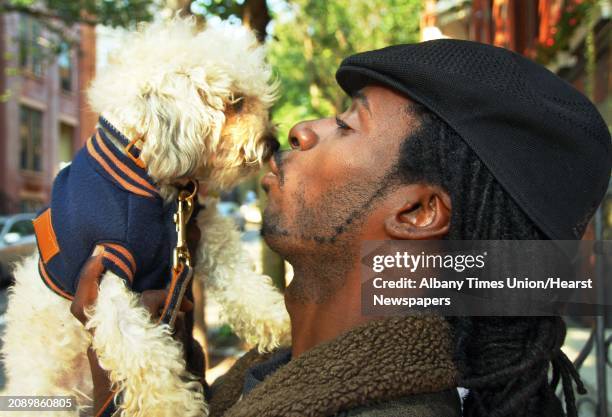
[{"x": 544, "y": 141}]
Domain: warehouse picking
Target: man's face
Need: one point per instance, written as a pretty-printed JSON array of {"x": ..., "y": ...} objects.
[{"x": 321, "y": 192}]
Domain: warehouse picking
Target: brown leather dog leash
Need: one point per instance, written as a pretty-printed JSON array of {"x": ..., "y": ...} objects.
[
  {"x": 182, "y": 273},
  {"x": 181, "y": 258}
]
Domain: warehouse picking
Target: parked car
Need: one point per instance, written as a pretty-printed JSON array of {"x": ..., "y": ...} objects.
[
  {"x": 16, "y": 241},
  {"x": 232, "y": 210}
]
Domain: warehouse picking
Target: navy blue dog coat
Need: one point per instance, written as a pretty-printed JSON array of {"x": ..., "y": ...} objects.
[{"x": 105, "y": 202}]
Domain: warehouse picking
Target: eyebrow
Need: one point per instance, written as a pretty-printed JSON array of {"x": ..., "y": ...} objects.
[{"x": 363, "y": 99}]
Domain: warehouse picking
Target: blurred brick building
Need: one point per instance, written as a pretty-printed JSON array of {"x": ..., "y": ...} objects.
[{"x": 43, "y": 113}]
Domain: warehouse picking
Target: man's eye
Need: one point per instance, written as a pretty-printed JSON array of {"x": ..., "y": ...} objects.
[{"x": 341, "y": 124}]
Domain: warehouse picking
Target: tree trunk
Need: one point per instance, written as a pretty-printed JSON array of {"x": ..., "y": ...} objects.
[
  {"x": 183, "y": 8},
  {"x": 272, "y": 264},
  {"x": 256, "y": 16},
  {"x": 179, "y": 5}
]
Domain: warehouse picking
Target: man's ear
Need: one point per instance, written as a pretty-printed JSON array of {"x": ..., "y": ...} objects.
[{"x": 425, "y": 214}]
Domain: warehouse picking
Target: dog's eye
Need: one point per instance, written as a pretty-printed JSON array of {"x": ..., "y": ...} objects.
[{"x": 238, "y": 105}]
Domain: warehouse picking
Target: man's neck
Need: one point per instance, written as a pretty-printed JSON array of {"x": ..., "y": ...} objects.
[{"x": 313, "y": 323}]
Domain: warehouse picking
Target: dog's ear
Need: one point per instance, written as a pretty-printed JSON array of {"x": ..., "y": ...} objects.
[{"x": 182, "y": 121}]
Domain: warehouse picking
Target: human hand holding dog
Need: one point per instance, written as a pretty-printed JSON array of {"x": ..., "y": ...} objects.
[
  {"x": 87, "y": 293},
  {"x": 87, "y": 290},
  {"x": 152, "y": 300}
]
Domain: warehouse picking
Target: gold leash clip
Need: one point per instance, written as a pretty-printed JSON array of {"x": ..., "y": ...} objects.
[{"x": 183, "y": 213}]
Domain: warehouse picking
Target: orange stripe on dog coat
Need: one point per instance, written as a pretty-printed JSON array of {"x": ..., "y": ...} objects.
[{"x": 45, "y": 236}]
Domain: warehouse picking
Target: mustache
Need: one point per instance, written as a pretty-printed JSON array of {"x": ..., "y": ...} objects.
[{"x": 280, "y": 164}]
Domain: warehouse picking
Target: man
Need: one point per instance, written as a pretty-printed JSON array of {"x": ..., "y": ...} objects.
[{"x": 443, "y": 140}]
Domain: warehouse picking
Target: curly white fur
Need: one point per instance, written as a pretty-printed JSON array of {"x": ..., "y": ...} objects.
[
  {"x": 249, "y": 301},
  {"x": 44, "y": 348},
  {"x": 174, "y": 88},
  {"x": 171, "y": 84},
  {"x": 146, "y": 364}
]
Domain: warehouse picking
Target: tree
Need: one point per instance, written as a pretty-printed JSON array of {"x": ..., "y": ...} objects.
[
  {"x": 106, "y": 12},
  {"x": 59, "y": 16},
  {"x": 310, "y": 39},
  {"x": 253, "y": 13}
]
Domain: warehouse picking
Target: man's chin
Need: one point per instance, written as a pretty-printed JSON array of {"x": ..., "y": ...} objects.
[
  {"x": 271, "y": 230},
  {"x": 277, "y": 244},
  {"x": 283, "y": 240}
]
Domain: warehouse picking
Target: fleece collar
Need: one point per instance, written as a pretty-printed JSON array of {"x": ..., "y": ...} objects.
[
  {"x": 116, "y": 166},
  {"x": 381, "y": 360}
]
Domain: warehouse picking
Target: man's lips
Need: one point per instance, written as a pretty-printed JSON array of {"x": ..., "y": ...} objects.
[
  {"x": 273, "y": 175},
  {"x": 267, "y": 180},
  {"x": 273, "y": 165}
]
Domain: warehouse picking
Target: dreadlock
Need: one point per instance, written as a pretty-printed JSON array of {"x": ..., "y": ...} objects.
[{"x": 503, "y": 361}]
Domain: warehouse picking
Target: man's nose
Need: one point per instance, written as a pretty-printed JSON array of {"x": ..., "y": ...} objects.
[{"x": 302, "y": 137}]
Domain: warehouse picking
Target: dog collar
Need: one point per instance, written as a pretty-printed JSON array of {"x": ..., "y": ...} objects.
[
  {"x": 116, "y": 166},
  {"x": 129, "y": 147}
]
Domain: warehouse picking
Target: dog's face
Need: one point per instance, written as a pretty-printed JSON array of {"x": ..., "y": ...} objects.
[
  {"x": 247, "y": 140},
  {"x": 199, "y": 99}
]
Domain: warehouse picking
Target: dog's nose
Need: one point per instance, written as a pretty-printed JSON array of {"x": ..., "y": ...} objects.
[{"x": 272, "y": 145}]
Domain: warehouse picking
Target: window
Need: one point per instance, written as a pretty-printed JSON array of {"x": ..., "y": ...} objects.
[
  {"x": 30, "y": 45},
  {"x": 64, "y": 61},
  {"x": 22, "y": 228},
  {"x": 30, "y": 205},
  {"x": 66, "y": 149},
  {"x": 30, "y": 132}
]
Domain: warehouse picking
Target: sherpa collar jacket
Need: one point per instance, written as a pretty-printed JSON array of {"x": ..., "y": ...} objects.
[{"x": 388, "y": 368}]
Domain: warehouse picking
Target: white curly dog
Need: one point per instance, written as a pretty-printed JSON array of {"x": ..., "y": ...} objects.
[{"x": 199, "y": 99}]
